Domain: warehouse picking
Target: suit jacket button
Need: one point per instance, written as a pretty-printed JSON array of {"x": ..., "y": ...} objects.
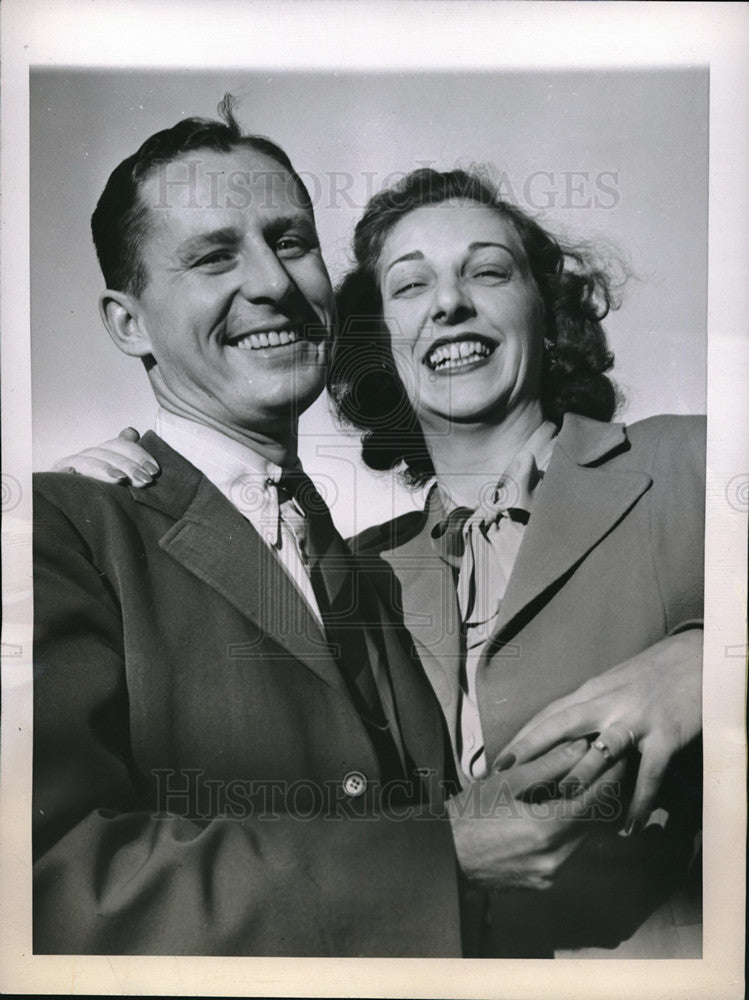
[{"x": 354, "y": 784}]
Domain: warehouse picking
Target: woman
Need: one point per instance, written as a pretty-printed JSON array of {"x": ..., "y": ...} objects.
[
  {"x": 484, "y": 371},
  {"x": 553, "y": 581}
]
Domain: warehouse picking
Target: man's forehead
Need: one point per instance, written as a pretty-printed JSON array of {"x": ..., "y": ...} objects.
[{"x": 215, "y": 182}]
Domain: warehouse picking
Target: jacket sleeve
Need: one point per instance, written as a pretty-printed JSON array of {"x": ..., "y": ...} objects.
[
  {"x": 677, "y": 528},
  {"x": 112, "y": 877}
]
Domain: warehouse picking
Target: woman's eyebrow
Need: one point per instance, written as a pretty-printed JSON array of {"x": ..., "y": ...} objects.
[
  {"x": 478, "y": 245},
  {"x": 413, "y": 255}
]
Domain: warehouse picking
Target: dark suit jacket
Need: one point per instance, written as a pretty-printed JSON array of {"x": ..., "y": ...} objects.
[
  {"x": 193, "y": 739},
  {"x": 611, "y": 562}
]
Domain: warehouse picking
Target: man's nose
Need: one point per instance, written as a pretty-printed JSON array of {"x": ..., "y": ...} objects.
[
  {"x": 451, "y": 303},
  {"x": 265, "y": 279}
]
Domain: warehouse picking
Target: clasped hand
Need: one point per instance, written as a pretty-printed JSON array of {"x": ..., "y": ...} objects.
[
  {"x": 651, "y": 703},
  {"x": 508, "y": 836}
]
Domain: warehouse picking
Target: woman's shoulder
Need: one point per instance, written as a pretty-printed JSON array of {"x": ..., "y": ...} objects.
[
  {"x": 667, "y": 427},
  {"x": 670, "y": 440}
]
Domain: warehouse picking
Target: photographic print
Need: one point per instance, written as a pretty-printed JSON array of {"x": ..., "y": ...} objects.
[{"x": 365, "y": 404}]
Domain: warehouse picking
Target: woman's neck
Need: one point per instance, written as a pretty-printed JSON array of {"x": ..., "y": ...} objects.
[{"x": 469, "y": 457}]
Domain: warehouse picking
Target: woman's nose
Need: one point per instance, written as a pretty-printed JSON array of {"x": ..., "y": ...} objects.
[{"x": 451, "y": 303}]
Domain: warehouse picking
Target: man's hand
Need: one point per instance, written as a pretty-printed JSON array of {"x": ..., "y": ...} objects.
[
  {"x": 120, "y": 460},
  {"x": 651, "y": 703},
  {"x": 508, "y": 837}
]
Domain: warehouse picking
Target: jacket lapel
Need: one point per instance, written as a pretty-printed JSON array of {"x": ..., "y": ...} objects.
[
  {"x": 212, "y": 540},
  {"x": 430, "y": 610},
  {"x": 579, "y": 502}
]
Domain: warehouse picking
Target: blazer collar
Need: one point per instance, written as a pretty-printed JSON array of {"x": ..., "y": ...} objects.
[
  {"x": 582, "y": 498},
  {"x": 580, "y": 501},
  {"x": 430, "y": 607},
  {"x": 217, "y": 544}
]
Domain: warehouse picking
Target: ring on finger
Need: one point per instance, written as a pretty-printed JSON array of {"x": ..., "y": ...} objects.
[{"x": 602, "y": 747}]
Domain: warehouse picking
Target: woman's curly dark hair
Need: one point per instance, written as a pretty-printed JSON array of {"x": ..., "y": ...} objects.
[{"x": 367, "y": 392}]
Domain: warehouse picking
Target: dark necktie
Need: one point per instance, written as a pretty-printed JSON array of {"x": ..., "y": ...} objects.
[{"x": 345, "y": 604}]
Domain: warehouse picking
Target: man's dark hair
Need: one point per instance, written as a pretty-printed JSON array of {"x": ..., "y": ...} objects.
[
  {"x": 363, "y": 383},
  {"x": 120, "y": 221}
]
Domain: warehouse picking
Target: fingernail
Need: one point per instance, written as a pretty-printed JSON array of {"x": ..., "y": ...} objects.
[
  {"x": 630, "y": 828},
  {"x": 504, "y": 761},
  {"x": 115, "y": 473},
  {"x": 70, "y": 470},
  {"x": 151, "y": 467},
  {"x": 140, "y": 476}
]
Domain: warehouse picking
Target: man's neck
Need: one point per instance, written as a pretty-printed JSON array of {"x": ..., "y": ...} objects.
[{"x": 277, "y": 445}]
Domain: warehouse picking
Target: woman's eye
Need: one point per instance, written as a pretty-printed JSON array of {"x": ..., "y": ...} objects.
[
  {"x": 406, "y": 288},
  {"x": 492, "y": 275}
]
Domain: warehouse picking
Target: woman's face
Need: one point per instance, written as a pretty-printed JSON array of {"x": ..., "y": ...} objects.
[{"x": 465, "y": 317}]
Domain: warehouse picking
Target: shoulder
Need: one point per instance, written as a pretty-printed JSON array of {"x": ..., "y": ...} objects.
[
  {"x": 389, "y": 534},
  {"x": 667, "y": 429},
  {"x": 72, "y": 493},
  {"x": 670, "y": 445}
]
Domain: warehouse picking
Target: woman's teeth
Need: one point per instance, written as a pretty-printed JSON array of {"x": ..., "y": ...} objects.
[
  {"x": 457, "y": 355},
  {"x": 273, "y": 338}
]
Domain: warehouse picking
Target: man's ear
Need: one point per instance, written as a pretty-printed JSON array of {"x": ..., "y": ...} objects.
[{"x": 123, "y": 320}]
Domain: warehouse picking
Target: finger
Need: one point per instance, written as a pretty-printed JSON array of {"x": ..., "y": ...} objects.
[
  {"x": 99, "y": 466},
  {"x": 129, "y": 434},
  {"x": 609, "y": 746},
  {"x": 545, "y": 770},
  {"x": 649, "y": 778},
  {"x": 91, "y": 466},
  {"x": 573, "y": 723},
  {"x": 104, "y": 463},
  {"x": 602, "y": 800},
  {"x": 120, "y": 448}
]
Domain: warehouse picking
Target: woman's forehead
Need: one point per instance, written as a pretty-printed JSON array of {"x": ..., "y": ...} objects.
[{"x": 447, "y": 226}]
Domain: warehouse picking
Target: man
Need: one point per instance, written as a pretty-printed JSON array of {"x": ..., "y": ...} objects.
[{"x": 235, "y": 752}]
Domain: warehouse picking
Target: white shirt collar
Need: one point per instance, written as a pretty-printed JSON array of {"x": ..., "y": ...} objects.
[{"x": 244, "y": 476}]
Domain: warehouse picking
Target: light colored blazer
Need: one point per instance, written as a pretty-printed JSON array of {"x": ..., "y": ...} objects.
[
  {"x": 194, "y": 744},
  {"x": 611, "y": 562}
]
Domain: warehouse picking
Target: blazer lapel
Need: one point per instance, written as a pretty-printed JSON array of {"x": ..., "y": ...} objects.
[
  {"x": 579, "y": 502},
  {"x": 430, "y": 610},
  {"x": 213, "y": 541}
]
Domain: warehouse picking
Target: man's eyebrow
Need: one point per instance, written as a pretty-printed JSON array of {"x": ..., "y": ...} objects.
[
  {"x": 196, "y": 243},
  {"x": 413, "y": 255}
]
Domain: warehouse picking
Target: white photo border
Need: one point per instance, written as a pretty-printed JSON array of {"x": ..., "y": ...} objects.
[{"x": 420, "y": 34}]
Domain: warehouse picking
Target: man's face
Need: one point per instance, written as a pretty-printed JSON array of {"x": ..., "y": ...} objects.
[{"x": 238, "y": 303}]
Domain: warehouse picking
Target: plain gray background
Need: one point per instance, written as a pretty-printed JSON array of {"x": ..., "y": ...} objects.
[{"x": 616, "y": 157}]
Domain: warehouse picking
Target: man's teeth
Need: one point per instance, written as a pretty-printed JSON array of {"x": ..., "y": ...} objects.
[
  {"x": 273, "y": 338},
  {"x": 457, "y": 354}
]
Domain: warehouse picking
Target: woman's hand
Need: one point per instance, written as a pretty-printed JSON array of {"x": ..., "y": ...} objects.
[
  {"x": 507, "y": 838},
  {"x": 651, "y": 702},
  {"x": 120, "y": 460}
]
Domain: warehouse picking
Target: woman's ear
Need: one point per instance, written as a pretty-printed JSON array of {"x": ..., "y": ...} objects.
[{"x": 123, "y": 320}]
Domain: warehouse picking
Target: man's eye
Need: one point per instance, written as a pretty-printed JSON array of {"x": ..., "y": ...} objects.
[
  {"x": 217, "y": 258},
  {"x": 292, "y": 246}
]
